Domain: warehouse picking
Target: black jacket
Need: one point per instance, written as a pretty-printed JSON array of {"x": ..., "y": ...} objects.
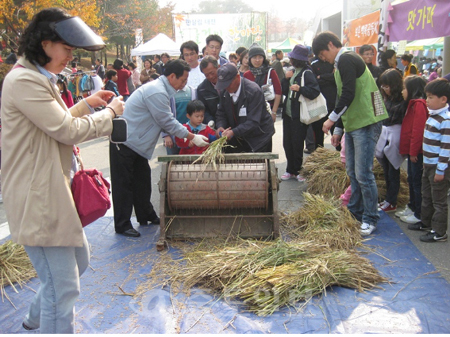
[
  {"x": 326, "y": 81},
  {"x": 248, "y": 118},
  {"x": 210, "y": 98},
  {"x": 311, "y": 90}
]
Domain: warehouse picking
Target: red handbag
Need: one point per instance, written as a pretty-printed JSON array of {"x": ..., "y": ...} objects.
[{"x": 90, "y": 193}]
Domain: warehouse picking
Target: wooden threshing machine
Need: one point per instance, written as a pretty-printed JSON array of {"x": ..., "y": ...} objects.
[{"x": 238, "y": 197}]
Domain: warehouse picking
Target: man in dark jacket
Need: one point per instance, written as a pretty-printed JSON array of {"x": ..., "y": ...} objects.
[
  {"x": 367, "y": 53},
  {"x": 242, "y": 115},
  {"x": 206, "y": 91}
]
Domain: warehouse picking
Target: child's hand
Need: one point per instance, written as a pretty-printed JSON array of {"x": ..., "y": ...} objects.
[
  {"x": 191, "y": 143},
  {"x": 438, "y": 178}
]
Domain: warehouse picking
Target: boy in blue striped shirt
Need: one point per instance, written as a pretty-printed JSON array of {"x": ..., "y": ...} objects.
[{"x": 436, "y": 172}]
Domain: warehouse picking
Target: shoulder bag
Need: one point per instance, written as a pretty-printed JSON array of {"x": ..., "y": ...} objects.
[
  {"x": 268, "y": 90},
  {"x": 90, "y": 193},
  {"x": 311, "y": 110}
]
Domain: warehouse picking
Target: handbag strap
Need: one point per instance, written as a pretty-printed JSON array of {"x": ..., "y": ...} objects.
[
  {"x": 302, "y": 83},
  {"x": 76, "y": 152},
  {"x": 268, "y": 75}
]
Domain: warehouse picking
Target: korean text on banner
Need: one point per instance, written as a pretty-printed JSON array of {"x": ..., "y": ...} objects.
[
  {"x": 362, "y": 31},
  {"x": 419, "y": 19}
]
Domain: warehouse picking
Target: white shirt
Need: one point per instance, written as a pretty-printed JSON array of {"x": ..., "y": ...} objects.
[
  {"x": 235, "y": 95},
  {"x": 195, "y": 77}
]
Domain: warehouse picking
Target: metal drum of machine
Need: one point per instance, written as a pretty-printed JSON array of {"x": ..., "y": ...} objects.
[{"x": 238, "y": 197}]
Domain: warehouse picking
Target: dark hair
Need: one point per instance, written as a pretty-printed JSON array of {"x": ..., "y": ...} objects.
[
  {"x": 74, "y": 64},
  {"x": 39, "y": 30},
  {"x": 385, "y": 56},
  {"x": 191, "y": 45},
  {"x": 298, "y": 63},
  {"x": 132, "y": 65},
  {"x": 415, "y": 86},
  {"x": 243, "y": 54},
  {"x": 193, "y": 106},
  {"x": 177, "y": 67},
  {"x": 233, "y": 55},
  {"x": 240, "y": 50},
  {"x": 203, "y": 50},
  {"x": 394, "y": 80},
  {"x": 214, "y": 37},
  {"x": 110, "y": 74},
  {"x": 166, "y": 55},
  {"x": 148, "y": 60},
  {"x": 278, "y": 52},
  {"x": 207, "y": 60},
  {"x": 406, "y": 58},
  {"x": 154, "y": 76},
  {"x": 322, "y": 40},
  {"x": 439, "y": 87},
  {"x": 157, "y": 56},
  {"x": 62, "y": 80},
  {"x": 364, "y": 48},
  {"x": 99, "y": 61},
  {"x": 118, "y": 64}
]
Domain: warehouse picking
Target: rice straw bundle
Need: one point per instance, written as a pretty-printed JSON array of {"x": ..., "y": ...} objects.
[
  {"x": 270, "y": 275},
  {"x": 214, "y": 153},
  {"x": 323, "y": 221},
  {"x": 15, "y": 266},
  {"x": 325, "y": 173}
]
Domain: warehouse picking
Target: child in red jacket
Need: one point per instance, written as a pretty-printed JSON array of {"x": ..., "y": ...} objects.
[
  {"x": 411, "y": 138},
  {"x": 195, "y": 112}
]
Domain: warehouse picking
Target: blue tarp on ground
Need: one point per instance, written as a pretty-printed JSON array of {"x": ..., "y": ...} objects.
[{"x": 415, "y": 301}]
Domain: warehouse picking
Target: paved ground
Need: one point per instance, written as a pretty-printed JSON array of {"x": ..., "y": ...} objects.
[{"x": 95, "y": 154}]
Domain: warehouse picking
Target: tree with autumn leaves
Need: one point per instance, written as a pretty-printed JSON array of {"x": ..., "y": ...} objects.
[{"x": 115, "y": 20}]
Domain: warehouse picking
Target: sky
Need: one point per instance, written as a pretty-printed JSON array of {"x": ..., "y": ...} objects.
[{"x": 286, "y": 9}]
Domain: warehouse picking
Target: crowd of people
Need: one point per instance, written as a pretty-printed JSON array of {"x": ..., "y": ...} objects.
[{"x": 188, "y": 102}]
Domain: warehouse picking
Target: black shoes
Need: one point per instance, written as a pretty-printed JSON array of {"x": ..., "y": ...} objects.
[
  {"x": 433, "y": 237},
  {"x": 418, "y": 226},
  {"x": 153, "y": 221},
  {"x": 131, "y": 233}
]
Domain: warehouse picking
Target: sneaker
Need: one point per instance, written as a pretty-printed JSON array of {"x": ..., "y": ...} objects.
[
  {"x": 404, "y": 212},
  {"x": 381, "y": 204},
  {"x": 287, "y": 176},
  {"x": 433, "y": 237},
  {"x": 411, "y": 219},
  {"x": 418, "y": 226},
  {"x": 387, "y": 207},
  {"x": 300, "y": 178},
  {"x": 366, "y": 229}
]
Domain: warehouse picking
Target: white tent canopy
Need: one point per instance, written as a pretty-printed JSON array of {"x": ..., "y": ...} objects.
[{"x": 161, "y": 43}]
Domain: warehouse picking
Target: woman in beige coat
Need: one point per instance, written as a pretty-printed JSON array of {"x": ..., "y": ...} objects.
[{"x": 39, "y": 132}]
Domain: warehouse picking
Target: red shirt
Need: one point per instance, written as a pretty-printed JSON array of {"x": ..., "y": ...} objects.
[
  {"x": 184, "y": 144},
  {"x": 273, "y": 76},
  {"x": 122, "y": 77}
]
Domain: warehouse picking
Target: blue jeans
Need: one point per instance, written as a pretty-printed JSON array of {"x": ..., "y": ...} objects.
[
  {"x": 415, "y": 171},
  {"x": 359, "y": 152},
  {"x": 59, "y": 270}
]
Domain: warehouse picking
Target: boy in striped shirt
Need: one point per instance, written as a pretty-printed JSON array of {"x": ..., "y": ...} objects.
[{"x": 436, "y": 172}]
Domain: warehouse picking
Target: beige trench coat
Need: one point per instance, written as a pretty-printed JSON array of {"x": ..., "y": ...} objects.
[{"x": 38, "y": 132}]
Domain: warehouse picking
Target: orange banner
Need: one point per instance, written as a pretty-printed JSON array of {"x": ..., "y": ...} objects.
[{"x": 362, "y": 31}]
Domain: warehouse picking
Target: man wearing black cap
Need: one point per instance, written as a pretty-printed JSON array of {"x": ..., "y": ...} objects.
[{"x": 242, "y": 115}]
